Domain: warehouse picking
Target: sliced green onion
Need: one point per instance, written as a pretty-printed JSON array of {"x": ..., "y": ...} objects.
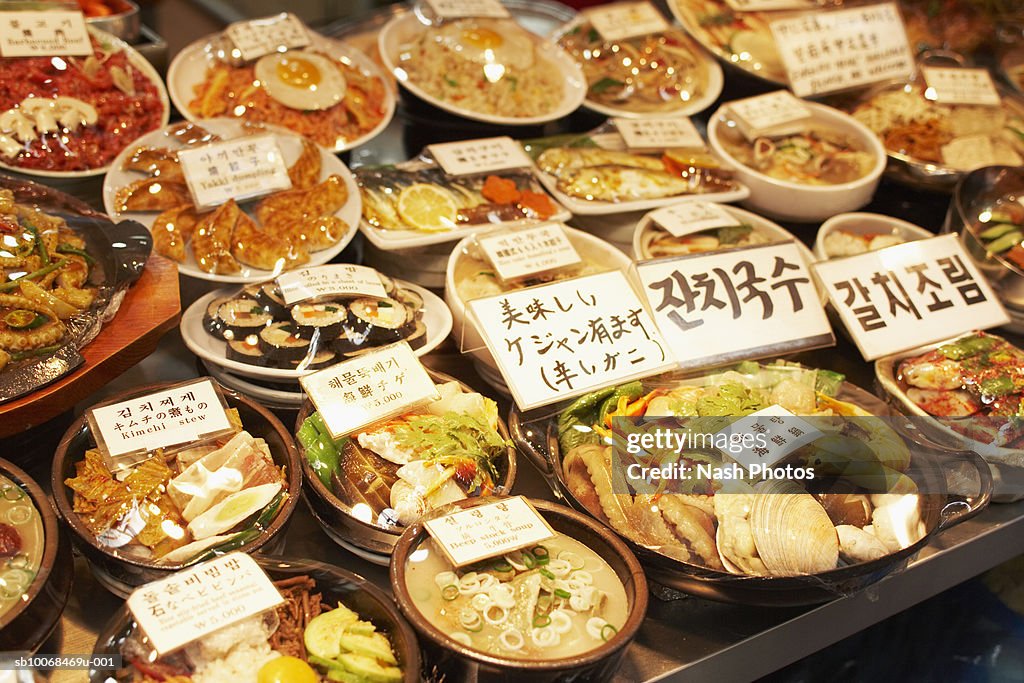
[
  {"x": 607, "y": 631},
  {"x": 546, "y": 573},
  {"x": 562, "y": 593},
  {"x": 529, "y": 560},
  {"x": 450, "y": 592},
  {"x": 540, "y": 551},
  {"x": 541, "y": 620}
]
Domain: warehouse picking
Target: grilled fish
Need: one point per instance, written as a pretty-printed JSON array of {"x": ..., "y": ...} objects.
[
  {"x": 559, "y": 160},
  {"x": 623, "y": 183}
]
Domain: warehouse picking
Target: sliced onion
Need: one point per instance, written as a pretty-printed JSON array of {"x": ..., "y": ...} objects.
[
  {"x": 560, "y": 568},
  {"x": 480, "y": 601},
  {"x": 561, "y": 621},
  {"x": 515, "y": 562},
  {"x": 579, "y": 602},
  {"x": 583, "y": 576},
  {"x": 470, "y": 620},
  {"x": 503, "y": 595},
  {"x": 495, "y": 615},
  {"x": 446, "y": 579},
  {"x": 545, "y": 637},
  {"x": 594, "y": 627},
  {"x": 486, "y": 581},
  {"x": 512, "y": 639},
  {"x": 469, "y": 584},
  {"x": 462, "y": 638},
  {"x": 574, "y": 559}
]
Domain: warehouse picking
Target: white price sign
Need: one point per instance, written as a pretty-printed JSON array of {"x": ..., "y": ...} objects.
[
  {"x": 769, "y": 5},
  {"x": 658, "y": 134},
  {"x": 247, "y": 167},
  {"x": 178, "y": 415},
  {"x": 825, "y": 52},
  {"x": 456, "y": 9},
  {"x": 734, "y": 305},
  {"x": 567, "y": 338},
  {"x": 526, "y": 252},
  {"x": 908, "y": 295},
  {"x": 777, "y": 433},
  {"x": 490, "y": 530},
  {"x": 369, "y": 388},
  {"x": 334, "y": 279},
  {"x": 199, "y": 600},
  {"x": 686, "y": 218},
  {"x": 774, "y": 113},
  {"x": 41, "y": 34},
  {"x": 622, "y": 20},
  {"x": 960, "y": 86},
  {"x": 479, "y": 156},
  {"x": 260, "y": 37}
]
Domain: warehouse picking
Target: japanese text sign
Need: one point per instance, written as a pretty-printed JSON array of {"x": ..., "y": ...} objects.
[
  {"x": 521, "y": 253},
  {"x": 489, "y": 530},
  {"x": 455, "y": 9},
  {"x": 259, "y": 37},
  {"x": 177, "y": 415},
  {"x": 369, "y": 388},
  {"x": 960, "y": 86},
  {"x": 778, "y": 433},
  {"x": 249, "y": 166},
  {"x": 658, "y": 134},
  {"x": 201, "y": 599},
  {"x": 828, "y": 51},
  {"x": 335, "y": 279},
  {"x": 686, "y": 218},
  {"x": 39, "y": 34},
  {"x": 773, "y": 113},
  {"x": 908, "y": 295},
  {"x": 563, "y": 339},
  {"x": 479, "y": 156},
  {"x": 725, "y": 306},
  {"x": 621, "y": 20}
]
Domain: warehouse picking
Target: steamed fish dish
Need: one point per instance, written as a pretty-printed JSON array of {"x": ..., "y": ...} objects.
[
  {"x": 961, "y": 137},
  {"x": 974, "y": 385},
  {"x": 660, "y": 243},
  {"x": 487, "y": 66},
  {"x": 179, "y": 509},
  {"x": 392, "y": 474},
  {"x": 306, "y": 639},
  {"x": 818, "y": 156},
  {"x": 658, "y": 73},
  {"x": 588, "y": 172},
  {"x": 550, "y": 601},
  {"x": 21, "y": 544},
  {"x": 721, "y": 520}
]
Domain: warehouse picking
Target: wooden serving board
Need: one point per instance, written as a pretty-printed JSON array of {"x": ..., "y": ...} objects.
[{"x": 150, "y": 309}]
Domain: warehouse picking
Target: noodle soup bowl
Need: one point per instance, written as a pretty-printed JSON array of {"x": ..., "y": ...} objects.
[
  {"x": 801, "y": 202},
  {"x": 121, "y": 573},
  {"x": 451, "y": 655}
]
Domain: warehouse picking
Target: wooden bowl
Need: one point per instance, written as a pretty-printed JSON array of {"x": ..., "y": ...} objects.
[
  {"x": 598, "y": 664},
  {"x": 27, "y": 624},
  {"x": 120, "y": 574}
]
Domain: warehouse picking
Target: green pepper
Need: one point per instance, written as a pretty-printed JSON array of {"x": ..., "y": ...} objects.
[
  {"x": 267, "y": 516},
  {"x": 42, "y": 272},
  {"x": 997, "y": 386},
  {"x": 966, "y": 347},
  {"x": 320, "y": 452},
  {"x": 1005, "y": 243},
  {"x": 21, "y": 319},
  {"x": 68, "y": 249},
  {"x": 604, "y": 84},
  {"x": 38, "y": 243},
  {"x": 632, "y": 391},
  {"x": 997, "y": 230}
]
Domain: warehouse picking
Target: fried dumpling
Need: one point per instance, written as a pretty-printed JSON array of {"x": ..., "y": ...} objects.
[
  {"x": 211, "y": 242},
  {"x": 305, "y": 172},
  {"x": 152, "y": 194},
  {"x": 316, "y": 233},
  {"x": 172, "y": 229},
  {"x": 261, "y": 249},
  {"x": 156, "y": 161},
  {"x": 280, "y": 211}
]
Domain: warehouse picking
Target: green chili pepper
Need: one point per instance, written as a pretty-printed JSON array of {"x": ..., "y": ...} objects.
[
  {"x": 320, "y": 452},
  {"x": 966, "y": 347},
  {"x": 269, "y": 512},
  {"x": 997, "y": 230},
  {"x": 68, "y": 249},
  {"x": 34, "y": 275},
  {"x": 997, "y": 386},
  {"x": 233, "y": 543},
  {"x": 38, "y": 244}
]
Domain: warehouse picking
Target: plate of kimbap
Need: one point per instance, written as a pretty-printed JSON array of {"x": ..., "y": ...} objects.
[{"x": 253, "y": 332}]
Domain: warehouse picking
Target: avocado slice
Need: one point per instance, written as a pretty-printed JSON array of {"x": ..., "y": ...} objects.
[
  {"x": 370, "y": 669},
  {"x": 375, "y": 646},
  {"x": 322, "y": 633}
]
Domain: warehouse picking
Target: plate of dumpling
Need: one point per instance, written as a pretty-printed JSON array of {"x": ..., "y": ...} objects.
[{"x": 237, "y": 241}]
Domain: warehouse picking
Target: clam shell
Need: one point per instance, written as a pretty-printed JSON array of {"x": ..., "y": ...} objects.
[{"x": 792, "y": 531}]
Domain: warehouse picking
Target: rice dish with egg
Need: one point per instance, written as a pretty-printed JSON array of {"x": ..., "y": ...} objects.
[{"x": 486, "y": 66}]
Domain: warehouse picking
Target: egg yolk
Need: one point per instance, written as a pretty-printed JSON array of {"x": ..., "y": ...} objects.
[
  {"x": 298, "y": 73},
  {"x": 482, "y": 38},
  {"x": 287, "y": 670}
]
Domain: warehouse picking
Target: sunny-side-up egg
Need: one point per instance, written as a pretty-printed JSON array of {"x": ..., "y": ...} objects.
[
  {"x": 487, "y": 41},
  {"x": 301, "y": 80}
]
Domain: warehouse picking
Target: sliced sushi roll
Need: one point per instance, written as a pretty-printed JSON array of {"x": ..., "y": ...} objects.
[
  {"x": 270, "y": 298},
  {"x": 380, "y": 320},
  {"x": 390, "y": 288},
  {"x": 412, "y": 300},
  {"x": 251, "y": 291},
  {"x": 246, "y": 351},
  {"x": 242, "y": 317},
  {"x": 349, "y": 340},
  {"x": 279, "y": 342},
  {"x": 418, "y": 336},
  {"x": 321, "y": 359},
  {"x": 211, "y": 323},
  {"x": 324, "y": 319}
]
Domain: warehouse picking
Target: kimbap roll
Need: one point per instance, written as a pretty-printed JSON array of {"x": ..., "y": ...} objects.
[
  {"x": 279, "y": 342},
  {"x": 246, "y": 351},
  {"x": 271, "y": 299},
  {"x": 324, "y": 319},
  {"x": 242, "y": 317},
  {"x": 380, "y": 320}
]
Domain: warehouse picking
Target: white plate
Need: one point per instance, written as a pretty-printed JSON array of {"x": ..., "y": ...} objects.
[
  {"x": 867, "y": 223},
  {"x": 291, "y": 148},
  {"x": 390, "y": 240},
  {"x": 403, "y": 29},
  {"x": 188, "y": 69},
  {"x": 436, "y": 317},
  {"x": 272, "y": 398},
  {"x": 712, "y": 90},
  {"x": 140, "y": 63}
]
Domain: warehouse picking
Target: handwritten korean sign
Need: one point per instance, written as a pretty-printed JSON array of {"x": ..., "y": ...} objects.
[
  {"x": 198, "y": 600},
  {"x": 521, "y": 253},
  {"x": 479, "y": 156},
  {"x": 181, "y": 414},
  {"x": 259, "y": 37},
  {"x": 455, "y": 9},
  {"x": 563, "y": 339},
  {"x": 336, "y": 279},
  {"x": 485, "y": 531},
  {"x": 909, "y": 295},
  {"x": 734, "y": 305},
  {"x": 39, "y": 34},
  {"x": 778, "y": 433},
  {"x": 658, "y": 134},
  {"x": 622, "y": 20},
  {"x": 238, "y": 169},
  {"x": 774, "y": 113},
  {"x": 828, "y": 51},
  {"x": 369, "y": 388},
  {"x": 686, "y": 218},
  {"x": 960, "y": 86}
]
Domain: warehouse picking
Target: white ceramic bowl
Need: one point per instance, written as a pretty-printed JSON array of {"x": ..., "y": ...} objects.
[
  {"x": 464, "y": 331},
  {"x": 867, "y": 224},
  {"x": 404, "y": 28},
  {"x": 806, "y": 203}
]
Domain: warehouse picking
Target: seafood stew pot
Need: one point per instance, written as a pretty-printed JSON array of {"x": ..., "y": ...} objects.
[
  {"x": 343, "y": 523},
  {"x": 952, "y": 486}
]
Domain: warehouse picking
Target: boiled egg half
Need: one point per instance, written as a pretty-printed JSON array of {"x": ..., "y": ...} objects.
[
  {"x": 301, "y": 80},
  {"x": 489, "y": 42}
]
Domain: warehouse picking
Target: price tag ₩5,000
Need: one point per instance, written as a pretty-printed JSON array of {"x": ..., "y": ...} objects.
[
  {"x": 485, "y": 531},
  {"x": 912, "y": 294}
]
